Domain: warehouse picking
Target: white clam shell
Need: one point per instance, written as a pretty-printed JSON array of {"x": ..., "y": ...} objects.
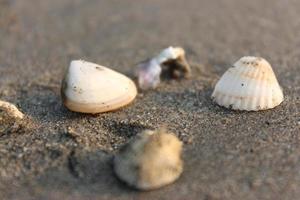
[
  {"x": 249, "y": 85},
  {"x": 150, "y": 161},
  {"x": 91, "y": 88}
]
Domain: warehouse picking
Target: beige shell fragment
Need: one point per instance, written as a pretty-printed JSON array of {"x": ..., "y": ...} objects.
[
  {"x": 11, "y": 119},
  {"x": 249, "y": 85},
  {"x": 91, "y": 88},
  {"x": 11, "y": 110},
  {"x": 150, "y": 161},
  {"x": 171, "y": 59}
]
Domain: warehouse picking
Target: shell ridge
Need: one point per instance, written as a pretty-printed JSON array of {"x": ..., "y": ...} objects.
[{"x": 249, "y": 85}]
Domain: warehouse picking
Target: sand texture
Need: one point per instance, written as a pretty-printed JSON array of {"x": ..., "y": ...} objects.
[{"x": 58, "y": 154}]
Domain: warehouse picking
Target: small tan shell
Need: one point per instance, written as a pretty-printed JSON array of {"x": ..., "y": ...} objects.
[
  {"x": 11, "y": 110},
  {"x": 11, "y": 119},
  {"x": 249, "y": 85},
  {"x": 91, "y": 88},
  {"x": 150, "y": 161}
]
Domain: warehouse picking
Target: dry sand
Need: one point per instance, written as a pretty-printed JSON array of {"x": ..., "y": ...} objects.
[{"x": 57, "y": 154}]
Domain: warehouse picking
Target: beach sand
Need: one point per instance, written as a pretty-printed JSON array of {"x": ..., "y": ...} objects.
[{"x": 58, "y": 154}]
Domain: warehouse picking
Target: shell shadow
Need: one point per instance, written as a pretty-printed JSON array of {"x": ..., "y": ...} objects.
[
  {"x": 124, "y": 129},
  {"x": 86, "y": 171},
  {"x": 43, "y": 103},
  {"x": 191, "y": 101}
]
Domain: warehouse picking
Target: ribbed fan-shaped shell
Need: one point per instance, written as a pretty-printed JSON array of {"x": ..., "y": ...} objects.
[{"x": 249, "y": 85}]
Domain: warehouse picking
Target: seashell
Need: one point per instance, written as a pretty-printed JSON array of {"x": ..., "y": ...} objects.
[
  {"x": 149, "y": 161},
  {"x": 149, "y": 74},
  {"x": 10, "y": 110},
  {"x": 170, "y": 53},
  {"x": 249, "y": 85},
  {"x": 176, "y": 65},
  {"x": 10, "y": 118},
  {"x": 91, "y": 88},
  {"x": 171, "y": 58}
]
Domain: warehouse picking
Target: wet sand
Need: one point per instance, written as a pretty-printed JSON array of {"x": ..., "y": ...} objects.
[{"x": 58, "y": 154}]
